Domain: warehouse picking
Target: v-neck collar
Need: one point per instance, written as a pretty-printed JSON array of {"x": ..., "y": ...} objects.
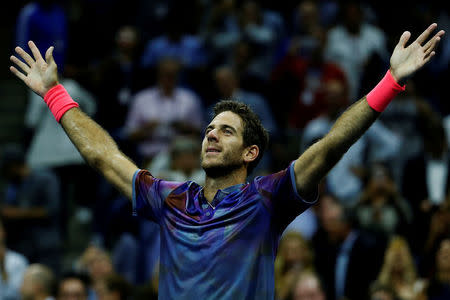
[{"x": 220, "y": 194}]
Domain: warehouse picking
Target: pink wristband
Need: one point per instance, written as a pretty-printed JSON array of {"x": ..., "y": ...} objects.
[
  {"x": 384, "y": 92},
  {"x": 59, "y": 101}
]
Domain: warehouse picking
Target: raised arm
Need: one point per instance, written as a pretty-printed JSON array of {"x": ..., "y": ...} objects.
[
  {"x": 93, "y": 143},
  {"x": 318, "y": 160}
]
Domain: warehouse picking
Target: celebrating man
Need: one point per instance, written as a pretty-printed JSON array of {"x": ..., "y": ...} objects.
[{"x": 219, "y": 241}]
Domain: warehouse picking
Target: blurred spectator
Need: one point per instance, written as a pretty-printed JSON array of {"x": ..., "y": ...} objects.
[
  {"x": 405, "y": 117},
  {"x": 221, "y": 30},
  {"x": 45, "y": 23},
  {"x": 240, "y": 61},
  {"x": 73, "y": 286},
  {"x": 12, "y": 269},
  {"x": 227, "y": 25},
  {"x": 114, "y": 287},
  {"x": 347, "y": 259},
  {"x": 228, "y": 87},
  {"x": 175, "y": 43},
  {"x": 381, "y": 292},
  {"x": 263, "y": 29},
  {"x": 438, "y": 228},
  {"x": 97, "y": 264},
  {"x": 31, "y": 200},
  {"x": 306, "y": 26},
  {"x": 38, "y": 283},
  {"x": 377, "y": 144},
  {"x": 399, "y": 271},
  {"x": 439, "y": 286},
  {"x": 381, "y": 208},
  {"x": 181, "y": 163},
  {"x": 294, "y": 256},
  {"x": 354, "y": 43},
  {"x": 117, "y": 79},
  {"x": 160, "y": 113},
  {"x": 308, "y": 286},
  {"x": 305, "y": 84},
  {"x": 426, "y": 179}
]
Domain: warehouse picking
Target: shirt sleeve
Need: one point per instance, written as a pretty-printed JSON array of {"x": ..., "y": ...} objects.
[
  {"x": 149, "y": 194},
  {"x": 279, "y": 190}
]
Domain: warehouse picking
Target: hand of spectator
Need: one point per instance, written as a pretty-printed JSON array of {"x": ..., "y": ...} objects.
[
  {"x": 38, "y": 74},
  {"x": 407, "y": 60}
]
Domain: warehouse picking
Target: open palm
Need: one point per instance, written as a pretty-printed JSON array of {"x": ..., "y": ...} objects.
[
  {"x": 38, "y": 74},
  {"x": 407, "y": 60}
]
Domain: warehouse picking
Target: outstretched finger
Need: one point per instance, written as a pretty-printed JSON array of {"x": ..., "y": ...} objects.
[
  {"x": 49, "y": 55},
  {"x": 432, "y": 46},
  {"x": 404, "y": 39},
  {"x": 26, "y": 57},
  {"x": 20, "y": 64},
  {"x": 37, "y": 55},
  {"x": 426, "y": 33},
  {"x": 17, "y": 73},
  {"x": 427, "y": 58},
  {"x": 433, "y": 41}
]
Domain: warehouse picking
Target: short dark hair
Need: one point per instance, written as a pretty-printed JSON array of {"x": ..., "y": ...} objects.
[{"x": 254, "y": 132}]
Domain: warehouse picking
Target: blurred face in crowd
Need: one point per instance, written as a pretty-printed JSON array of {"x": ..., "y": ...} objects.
[
  {"x": 443, "y": 257},
  {"x": 331, "y": 215},
  {"x": 294, "y": 251},
  {"x": 353, "y": 17},
  {"x": 250, "y": 13},
  {"x": 308, "y": 288},
  {"x": 335, "y": 95},
  {"x": 226, "y": 82},
  {"x": 29, "y": 287},
  {"x": 72, "y": 289},
  {"x": 223, "y": 145},
  {"x": 126, "y": 39},
  {"x": 168, "y": 74},
  {"x": 382, "y": 295},
  {"x": 104, "y": 293},
  {"x": 37, "y": 282}
]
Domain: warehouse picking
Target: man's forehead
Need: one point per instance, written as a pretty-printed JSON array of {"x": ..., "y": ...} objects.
[{"x": 227, "y": 118}]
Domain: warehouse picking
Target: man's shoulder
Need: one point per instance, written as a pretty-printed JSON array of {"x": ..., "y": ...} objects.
[
  {"x": 146, "y": 94},
  {"x": 15, "y": 259}
]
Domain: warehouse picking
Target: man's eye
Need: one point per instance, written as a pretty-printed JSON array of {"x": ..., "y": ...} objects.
[{"x": 228, "y": 131}]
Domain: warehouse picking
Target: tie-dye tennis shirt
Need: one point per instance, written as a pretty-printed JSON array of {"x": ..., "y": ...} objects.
[{"x": 222, "y": 250}]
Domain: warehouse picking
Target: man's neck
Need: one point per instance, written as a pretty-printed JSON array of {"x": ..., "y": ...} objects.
[{"x": 212, "y": 185}]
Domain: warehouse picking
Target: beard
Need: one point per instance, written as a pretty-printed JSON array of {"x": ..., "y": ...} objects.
[{"x": 221, "y": 169}]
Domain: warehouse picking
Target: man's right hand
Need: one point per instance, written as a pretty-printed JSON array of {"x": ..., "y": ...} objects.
[{"x": 38, "y": 74}]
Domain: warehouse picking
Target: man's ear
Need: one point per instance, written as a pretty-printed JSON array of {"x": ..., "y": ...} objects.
[{"x": 251, "y": 153}]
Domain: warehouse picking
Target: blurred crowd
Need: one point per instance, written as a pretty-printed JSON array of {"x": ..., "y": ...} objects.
[{"x": 149, "y": 73}]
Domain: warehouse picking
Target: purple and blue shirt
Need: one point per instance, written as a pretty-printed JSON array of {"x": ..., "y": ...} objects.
[{"x": 219, "y": 250}]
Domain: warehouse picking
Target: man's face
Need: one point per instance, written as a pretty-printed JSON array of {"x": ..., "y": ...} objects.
[
  {"x": 29, "y": 288},
  {"x": 72, "y": 289},
  {"x": 223, "y": 144},
  {"x": 308, "y": 289}
]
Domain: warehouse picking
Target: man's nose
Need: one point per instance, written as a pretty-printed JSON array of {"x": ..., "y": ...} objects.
[{"x": 212, "y": 135}]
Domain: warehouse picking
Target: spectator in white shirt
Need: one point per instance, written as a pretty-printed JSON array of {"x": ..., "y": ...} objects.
[
  {"x": 12, "y": 269},
  {"x": 160, "y": 113},
  {"x": 38, "y": 283}
]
